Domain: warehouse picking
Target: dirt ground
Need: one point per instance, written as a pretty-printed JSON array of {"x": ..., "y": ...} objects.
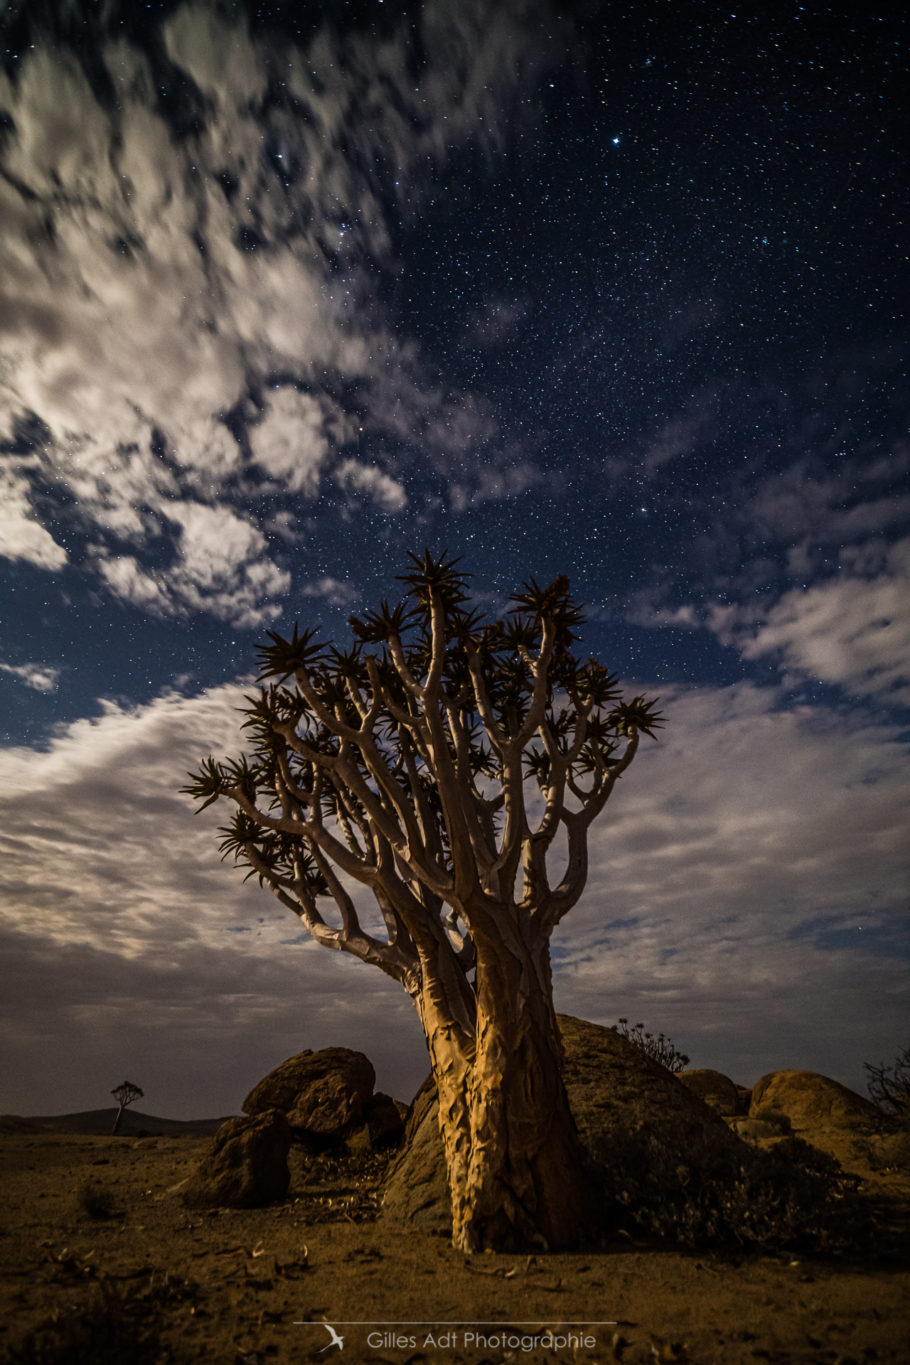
[{"x": 101, "y": 1262}]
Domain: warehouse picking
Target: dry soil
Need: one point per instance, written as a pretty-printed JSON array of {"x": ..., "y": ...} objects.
[{"x": 101, "y": 1262}]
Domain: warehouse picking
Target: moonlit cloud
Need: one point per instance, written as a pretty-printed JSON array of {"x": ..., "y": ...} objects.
[
  {"x": 755, "y": 861},
  {"x": 734, "y": 850},
  {"x": 170, "y": 251},
  {"x": 40, "y": 677},
  {"x": 21, "y": 534},
  {"x": 850, "y": 631},
  {"x": 365, "y": 479}
]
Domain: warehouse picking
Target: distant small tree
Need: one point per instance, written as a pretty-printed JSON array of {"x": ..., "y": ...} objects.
[
  {"x": 889, "y": 1086},
  {"x": 438, "y": 762},
  {"x": 661, "y": 1049},
  {"x": 125, "y": 1094}
]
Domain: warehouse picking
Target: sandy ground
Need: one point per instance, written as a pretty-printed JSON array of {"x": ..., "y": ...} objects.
[{"x": 154, "y": 1282}]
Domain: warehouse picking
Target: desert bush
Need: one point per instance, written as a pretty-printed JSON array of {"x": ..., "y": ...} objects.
[
  {"x": 890, "y": 1150},
  {"x": 792, "y": 1197},
  {"x": 889, "y": 1086},
  {"x": 96, "y": 1201},
  {"x": 661, "y": 1049}
]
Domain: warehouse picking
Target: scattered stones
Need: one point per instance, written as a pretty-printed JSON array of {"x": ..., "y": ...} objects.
[{"x": 246, "y": 1166}]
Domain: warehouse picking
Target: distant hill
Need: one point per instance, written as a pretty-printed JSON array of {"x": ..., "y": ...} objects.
[{"x": 99, "y": 1122}]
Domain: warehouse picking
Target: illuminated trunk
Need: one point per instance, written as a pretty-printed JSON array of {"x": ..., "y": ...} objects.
[{"x": 519, "y": 1177}]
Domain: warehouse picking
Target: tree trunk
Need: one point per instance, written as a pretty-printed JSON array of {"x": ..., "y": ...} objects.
[
  {"x": 518, "y": 1174},
  {"x": 117, "y": 1118}
]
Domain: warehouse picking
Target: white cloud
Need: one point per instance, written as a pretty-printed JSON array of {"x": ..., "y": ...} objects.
[
  {"x": 336, "y": 593},
  {"x": 739, "y": 846},
  {"x": 363, "y": 478},
  {"x": 40, "y": 677},
  {"x": 21, "y": 535},
  {"x": 220, "y": 567},
  {"x": 291, "y": 443},
  {"x": 726, "y": 856},
  {"x": 850, "y": 631},
  {"x": 154, "y": 282}
]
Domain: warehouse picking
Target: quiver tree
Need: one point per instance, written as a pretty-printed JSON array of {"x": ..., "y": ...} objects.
[
  {"x": 438, "y": 761},
  {"x": 125, "y": 1094}
]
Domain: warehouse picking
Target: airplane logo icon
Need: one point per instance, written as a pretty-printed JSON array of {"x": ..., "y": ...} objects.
[{"x": 336, "y": 1339}]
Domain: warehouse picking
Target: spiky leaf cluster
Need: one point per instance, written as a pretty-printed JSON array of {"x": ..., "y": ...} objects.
[{"x": 402, "y": 758}]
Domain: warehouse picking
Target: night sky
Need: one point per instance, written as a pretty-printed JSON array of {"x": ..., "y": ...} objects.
[{"x": 616, "y": 291}]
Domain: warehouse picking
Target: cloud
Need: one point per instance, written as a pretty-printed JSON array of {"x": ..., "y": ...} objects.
[
  {"x": 679, "y": 436},
  {"x": 336, "y": 593},
  {"x": 220, "y": 568},
  {"x": 223, "y": 219},
  {"x": 811, "y": 506},
  {"x": 40, "y": 677},
  {"x": 21, "y": 535},
  {"x": 388, "y": 492},
  {"x": 493, "y": 483},
  {"x": 744, "y": 879},
  {"x": 291, "y": 442},
  {"x": 747, "y": 887},
  {"x": 850, "y": 631}
]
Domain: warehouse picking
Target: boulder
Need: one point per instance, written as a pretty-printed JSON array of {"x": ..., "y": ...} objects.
[
  {"x": 715, "y": 1089},
  {"x": 416, "y": 1190},
  {"x": 246, "y": 1166},
  {"x": 384, "y": 1119},
  {"x": 323, "y": 1094},
  {"x": 811, "y": 1102},
  {"x": 627, "y": 1107}
]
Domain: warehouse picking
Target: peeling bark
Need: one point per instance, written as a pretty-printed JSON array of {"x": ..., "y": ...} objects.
[{"x": 518, "y": 1175}]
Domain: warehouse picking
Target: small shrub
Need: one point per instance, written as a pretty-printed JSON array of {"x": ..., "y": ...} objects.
[
  {"x": 660, "y": 1049},
  {"x": 96, "y": 1202},
  {"x": 791, "y": 1197},
  {"x": 889, "y": 1086}
]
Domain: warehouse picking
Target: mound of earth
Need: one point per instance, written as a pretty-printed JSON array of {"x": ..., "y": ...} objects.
[{"x": 623, "y": 1102}]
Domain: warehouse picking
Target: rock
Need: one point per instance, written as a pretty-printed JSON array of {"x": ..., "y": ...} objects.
[
  {"x": 416, "y": 1190},
  {"x": 384, "y": 1120},
  {"x": 760, "y": 1130},
  {"x": 323, "y": 1094},
  {"x": 246, "y": 1165},
  {"x": 811, "y": 1102},
  {"x": 715, "y": 1089},
  {"x": 744, "y": 1099},
  {"x": 624, "y": 1104}
]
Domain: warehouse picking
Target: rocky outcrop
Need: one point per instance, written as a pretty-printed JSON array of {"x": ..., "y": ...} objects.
[
  {"x": 623, "y": 1102},
  {"x": 324, "y": 1095},
  {"x": 715, "y": 1089},
  {"x": 811, "y": 1102},
  {"x": 246, "y": 1166}
]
